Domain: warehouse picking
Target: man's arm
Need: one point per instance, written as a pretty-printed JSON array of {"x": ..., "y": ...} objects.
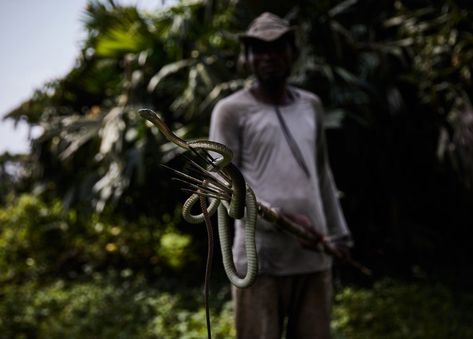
[{"x": 336, "y": 223}]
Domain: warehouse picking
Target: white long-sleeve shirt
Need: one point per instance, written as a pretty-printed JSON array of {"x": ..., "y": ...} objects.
[{"x": 251, "y": 129}]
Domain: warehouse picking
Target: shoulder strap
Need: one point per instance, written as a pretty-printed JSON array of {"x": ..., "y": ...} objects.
[{"x": 296, "y": 152}]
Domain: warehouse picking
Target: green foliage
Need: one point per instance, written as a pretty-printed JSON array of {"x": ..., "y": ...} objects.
[
  {"x": 394, "y": 310},
  {"x": 39, "y": 240},
  {"x": 438, "y": 41},
  {"x": 31, "y": 237},
  {"x": 103, "y": 308},
  {"x": 174, "y": 247},
  {"x": 113, "y": 307}
]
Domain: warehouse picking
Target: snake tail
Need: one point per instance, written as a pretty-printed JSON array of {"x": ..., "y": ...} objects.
[{"x": 208, "y": 265}]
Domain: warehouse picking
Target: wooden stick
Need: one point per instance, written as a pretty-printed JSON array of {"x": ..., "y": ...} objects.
[{"x": 273, "y": 216}]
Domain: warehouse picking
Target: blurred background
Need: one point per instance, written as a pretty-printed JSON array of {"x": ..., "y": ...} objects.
[{"x": 91, "y": 239}]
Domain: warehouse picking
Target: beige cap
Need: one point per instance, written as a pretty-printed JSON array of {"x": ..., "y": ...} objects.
[{"x": 266, "y": 27}]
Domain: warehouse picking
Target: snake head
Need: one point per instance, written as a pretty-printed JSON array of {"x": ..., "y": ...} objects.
[
  {"x": 154, "y": 118},
  {"x": 148, "y": 114}
]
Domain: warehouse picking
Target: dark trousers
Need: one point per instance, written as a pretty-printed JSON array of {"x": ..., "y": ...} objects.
[{"x": 298, "y": 306}]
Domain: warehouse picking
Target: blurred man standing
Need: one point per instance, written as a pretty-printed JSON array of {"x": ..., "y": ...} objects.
[{"x": 276, "y": 133}]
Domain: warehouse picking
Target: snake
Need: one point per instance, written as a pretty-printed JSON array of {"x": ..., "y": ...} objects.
[{"x": 242, "y": 196}]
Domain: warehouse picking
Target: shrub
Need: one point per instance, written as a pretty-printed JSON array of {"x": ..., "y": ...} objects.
[
  {"x": 104, "y": 308},
  {"x": 395, "y": 310},
  {"x": 41, "y": 239}
]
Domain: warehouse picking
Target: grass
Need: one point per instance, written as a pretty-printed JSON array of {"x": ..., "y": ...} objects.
[{"x": 110, "y": 307}]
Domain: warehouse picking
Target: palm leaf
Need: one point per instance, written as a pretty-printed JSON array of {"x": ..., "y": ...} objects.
[{"x": 168, "y": 70}]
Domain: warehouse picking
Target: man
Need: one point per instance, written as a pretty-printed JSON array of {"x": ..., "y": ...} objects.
[{"x": 275, "y": 131}]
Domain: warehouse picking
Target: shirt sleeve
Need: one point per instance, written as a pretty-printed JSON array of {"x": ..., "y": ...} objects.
[
  {"x": 224, "y": 128},
  {"x": 336, "y": 223}
]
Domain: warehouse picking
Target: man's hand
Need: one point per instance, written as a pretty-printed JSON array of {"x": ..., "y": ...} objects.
[
  {"x": 304, "y": 221},
  {"x": 343, "y": 250},
  {"x": 342, "y": 246}
]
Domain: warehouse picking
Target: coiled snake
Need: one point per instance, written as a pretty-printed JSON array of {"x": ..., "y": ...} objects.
[{"x": 242, "y": 195}]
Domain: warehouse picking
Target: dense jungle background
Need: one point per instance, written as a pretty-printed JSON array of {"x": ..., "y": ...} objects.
[{"x": 91, "y": 239}]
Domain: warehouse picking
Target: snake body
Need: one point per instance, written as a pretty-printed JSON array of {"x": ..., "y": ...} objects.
[
  {"x": 250, "y": 248},
  {"x": 242, "y": 195}
]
